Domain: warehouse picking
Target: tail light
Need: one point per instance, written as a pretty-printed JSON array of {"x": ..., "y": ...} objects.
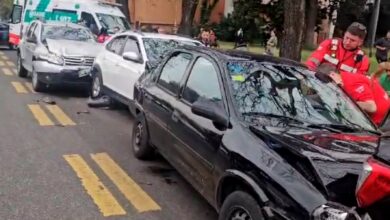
[{"x": 374, "y": 183}]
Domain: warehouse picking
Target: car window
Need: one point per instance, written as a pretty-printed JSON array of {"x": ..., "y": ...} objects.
[
  {"x": 264, "y": 88},
  {"x": 35, "y": 34},
  {"x": 173, "y": 71},
  {"x": 16, "y": 14},
  {"x": 89, "y": 22},
  {"x": 67, "y": 33},
  {"x": 202, "y": 82},
  {"x": 116, "y": 45},
  {"x": 131, "y": 45},
  {"x": 3, "y": 27},
  {"x": 30, "y": 30}
]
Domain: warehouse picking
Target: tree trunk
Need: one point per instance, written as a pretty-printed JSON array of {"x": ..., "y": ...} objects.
[
  {"x": 294, "y": 24},
  {"x": 125, "y": 8},
  {"x": 311, "y": 20},
  {"x": 188, "y": 8}
]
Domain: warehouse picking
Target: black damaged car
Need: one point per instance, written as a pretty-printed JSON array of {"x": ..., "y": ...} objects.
[{"x": 258, "y": 137}]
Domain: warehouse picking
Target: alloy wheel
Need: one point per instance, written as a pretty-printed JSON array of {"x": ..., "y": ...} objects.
[
  {"x": 34, "y": 79},
  {"x": 239, "y": 213},
  {"x": 138, "y": 136},
  {"x": 96, "y": 87},
  {"x": 19, "y": 63}
]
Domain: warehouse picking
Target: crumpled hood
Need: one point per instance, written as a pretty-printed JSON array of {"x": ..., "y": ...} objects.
[
  {"x": 333, "y": 156},
  {"x": 73, "y": 48}
]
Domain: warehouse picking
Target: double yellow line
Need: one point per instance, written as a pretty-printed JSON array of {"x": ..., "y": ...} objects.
[
  {"x": 43, "y": 118},
  {"x": 23, "y": 88},
  {"x": 101, "y": 195}
]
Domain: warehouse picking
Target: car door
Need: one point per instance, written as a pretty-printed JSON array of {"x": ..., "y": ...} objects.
[
  {"x": 129, "y": 70},
  {"x": 195, "y": 137},
  {"x": 28, "y": 46},
  {"x": 158, "y": 100},
  {"x": 109, "y": 60}
]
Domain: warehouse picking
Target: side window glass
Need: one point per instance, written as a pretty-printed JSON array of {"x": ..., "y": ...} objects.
[
  {"x": 88, "y": 20},
  {"x": 36, "y": 32},
  {"x": 173, "y": 71},
  {"x": 30, "y": 30},
  {"x": 116, "y": 45},
  {"x": 131, "y": 46},
  {"x": 16, "y": 14},
  {"x": 202, "y": 82}
]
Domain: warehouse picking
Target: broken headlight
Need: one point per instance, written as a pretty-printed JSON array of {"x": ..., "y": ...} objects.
[{"x": 334, "y": 212}]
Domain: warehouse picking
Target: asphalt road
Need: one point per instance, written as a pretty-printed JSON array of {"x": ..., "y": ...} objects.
[{"x": 64, "y": 160}]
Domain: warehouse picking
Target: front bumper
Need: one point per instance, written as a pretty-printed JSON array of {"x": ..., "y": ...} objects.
[{"x": 60, "y": 74}]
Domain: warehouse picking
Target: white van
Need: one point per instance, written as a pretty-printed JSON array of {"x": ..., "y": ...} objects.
[{"x": 96, "y": 14}]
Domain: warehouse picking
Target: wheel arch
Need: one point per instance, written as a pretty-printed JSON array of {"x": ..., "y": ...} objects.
[{"x": 234, "y": 180}]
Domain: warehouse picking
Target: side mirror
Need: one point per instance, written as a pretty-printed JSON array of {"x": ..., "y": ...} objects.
[
  {"x": 132, "y": 56},
  {"x": 211, "y": 110}
]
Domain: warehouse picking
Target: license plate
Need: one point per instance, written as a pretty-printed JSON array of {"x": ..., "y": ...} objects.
[{"x": 83, "y": 72}]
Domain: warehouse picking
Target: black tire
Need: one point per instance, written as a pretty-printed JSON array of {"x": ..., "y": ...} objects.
[
  {"x": 140, "y": 139},
  {"x": 37, "y": 85},
  {"x": 11, "y": 46},
  {"x": 240, "y": 205},
  {"x": 22, "y": 72},
  {"x": 96, "y": 85}
]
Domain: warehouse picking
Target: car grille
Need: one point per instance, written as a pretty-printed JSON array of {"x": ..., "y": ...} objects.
[{"x": 78, "y": 61}]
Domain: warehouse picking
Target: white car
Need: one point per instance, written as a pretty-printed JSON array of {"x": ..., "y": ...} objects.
[
  {"x": 57, "y": 53},
  {"x": 119, "y": 65}
]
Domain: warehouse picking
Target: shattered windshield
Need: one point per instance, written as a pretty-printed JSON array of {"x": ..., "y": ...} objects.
[
  {"x": 67, "y": 33},
  {"x": 110, "y": 22},
  {"x": 156, "y": 48},
  {"x": 290, "y": 91}
]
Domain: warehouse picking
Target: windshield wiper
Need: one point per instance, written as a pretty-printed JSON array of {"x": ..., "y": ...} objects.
[
  {"x": 344, "y": 128},
  {"x": 271, "y": 115}
]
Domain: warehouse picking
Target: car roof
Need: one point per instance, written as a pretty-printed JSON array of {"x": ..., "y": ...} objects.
[
  {"x": 62, "y": 24},
  {"x": 228, "y": 55},
  {"x": 158, "y": 35}
]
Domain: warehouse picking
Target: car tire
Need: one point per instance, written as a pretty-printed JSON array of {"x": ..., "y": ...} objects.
[
  {"x": 140, "y": 139},
  {"x": 37, "y": 85},
  {"x": 22, "y": 72},
  {"x": 240, "y": 205},
  {"x": 96, "y": 86},
  {"x": 11, "y": 46}
]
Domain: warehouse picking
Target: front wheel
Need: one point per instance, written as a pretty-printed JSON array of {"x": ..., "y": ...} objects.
[
  {"x": 37, "y": 85},
  {"x": 140, "y": 139},
  {"x": 22, "y": 72},
  {"x": 239, "y": 205},
  {"x": 96, "y": 87}
]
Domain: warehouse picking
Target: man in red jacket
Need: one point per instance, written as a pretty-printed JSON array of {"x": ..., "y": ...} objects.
[
  {"x": 366, "y": 92},
  {"x": 345, "y": 54}
]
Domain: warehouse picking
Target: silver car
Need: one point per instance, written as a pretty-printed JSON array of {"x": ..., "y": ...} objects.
[{"x": 57, "y": 53}]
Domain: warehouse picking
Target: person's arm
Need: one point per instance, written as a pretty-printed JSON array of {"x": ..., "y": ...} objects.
[
  {"x": 381, "y": 69},
  {"x": 364, "y": 97},
  {"x": 380, "y": 48},
  {"x": 317, "y": 57}
]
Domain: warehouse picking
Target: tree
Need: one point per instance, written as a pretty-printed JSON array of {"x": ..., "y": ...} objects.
[
  {"x": 188, "y": 8},
  {"x": 292, "y": 39},
  {"x": 311, "y": 21},
  {"x": 348, "y": 12},
  {"x": 5, "y": 8},
  {"x": 206, "y": 8}
]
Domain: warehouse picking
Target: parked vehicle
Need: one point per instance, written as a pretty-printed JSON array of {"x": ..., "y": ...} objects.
[
  {"x": 125, "y": 57},
  {"x": 373, "y": 188},
  {"x": 4, "y": 29},
  {"x": 57, "y": 53},
  {"x": 95, "y": 14},
  {"x": 258, "y": 137}
]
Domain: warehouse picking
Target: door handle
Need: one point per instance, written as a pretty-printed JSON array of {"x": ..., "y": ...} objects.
[{"x": 175, "y": 116}]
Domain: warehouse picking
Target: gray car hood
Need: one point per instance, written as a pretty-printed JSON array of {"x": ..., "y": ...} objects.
[{"x": 73, "y": 48}]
